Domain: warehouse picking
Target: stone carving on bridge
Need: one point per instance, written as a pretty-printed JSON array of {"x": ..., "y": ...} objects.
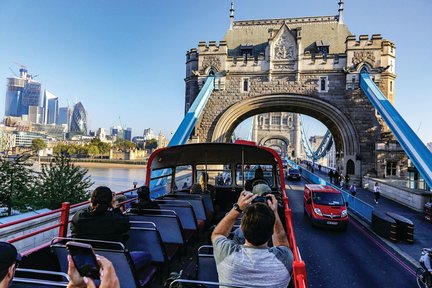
[
  {"x": 211, "y": 61},
  {"x": 285, "y": 45},
  {"x": 289, "y": 66},
  {"x": 363, "y": 56}
]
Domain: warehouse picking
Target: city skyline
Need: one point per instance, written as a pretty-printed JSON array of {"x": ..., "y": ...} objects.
[{"x": 128, "y": 61}]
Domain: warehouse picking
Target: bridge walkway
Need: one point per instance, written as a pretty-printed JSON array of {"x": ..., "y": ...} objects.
[{"x": 422, "y": 228}]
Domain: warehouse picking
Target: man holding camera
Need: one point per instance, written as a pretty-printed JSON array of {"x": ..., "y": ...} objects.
[{"x": 254, "y": 263}]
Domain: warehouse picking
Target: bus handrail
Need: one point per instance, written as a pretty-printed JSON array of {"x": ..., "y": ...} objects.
[{"x": 64, "y": 219}]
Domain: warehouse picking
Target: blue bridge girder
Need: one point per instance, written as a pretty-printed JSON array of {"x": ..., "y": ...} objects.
[{"x": 407, "y": 138}]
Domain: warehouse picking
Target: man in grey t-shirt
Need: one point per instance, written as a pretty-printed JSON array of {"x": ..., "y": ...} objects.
[{"x": 253, "y": 264}]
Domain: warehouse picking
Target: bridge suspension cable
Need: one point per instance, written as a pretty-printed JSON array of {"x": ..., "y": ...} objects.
[{"x": 322, "y": 149}]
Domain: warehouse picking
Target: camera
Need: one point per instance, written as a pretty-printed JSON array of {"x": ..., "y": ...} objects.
[
  {"x": 84, "y": 259},
  {"x": 260, "y": 199}
]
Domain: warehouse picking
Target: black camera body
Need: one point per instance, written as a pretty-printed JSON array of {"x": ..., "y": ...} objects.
[{"x": 260, "y": 199}]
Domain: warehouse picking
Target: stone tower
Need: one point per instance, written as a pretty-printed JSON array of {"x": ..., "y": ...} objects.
[{"x": 307, "y": 65}]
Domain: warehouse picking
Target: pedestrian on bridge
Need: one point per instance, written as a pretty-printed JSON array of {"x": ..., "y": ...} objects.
[
  {"x": 353, "y": 189},
  {"x": 341, "y": 181},
  {"x": 336, "y": 177},
  {"x": 331, "y": 174},
  {"x": 377, "y": 191},
  {"x": 347, "y": 180}
]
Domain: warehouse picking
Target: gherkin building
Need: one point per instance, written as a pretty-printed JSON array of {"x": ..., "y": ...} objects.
[{"x": 79, "y": 120}]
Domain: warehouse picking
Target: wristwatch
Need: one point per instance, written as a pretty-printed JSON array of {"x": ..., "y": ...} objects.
[{"x": 236, "y": 207}]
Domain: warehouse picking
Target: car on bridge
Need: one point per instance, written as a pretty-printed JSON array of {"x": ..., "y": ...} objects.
[
  {"x": 293, "y": 174},
  {"x": 325, "y": 206}
]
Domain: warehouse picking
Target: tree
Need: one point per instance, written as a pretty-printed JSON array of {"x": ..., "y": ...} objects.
[
  {"x": 151, "y": 144},
  {"x": 16, "y": 183},
  {"x": 124, "y": 145},
  {"x": 61, "y": 181},
  {"x": 92, "y": 150},
  {"x": 38, "y": 144},
  {"x": 102, "y": 146}
]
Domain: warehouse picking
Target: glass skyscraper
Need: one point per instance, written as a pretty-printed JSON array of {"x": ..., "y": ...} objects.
[
  {"x": 78, "y": 123},
  {"x": 50, "y": 108},
  {"x": 22, "y": 92},
  {"x": 64, "y": 116}
]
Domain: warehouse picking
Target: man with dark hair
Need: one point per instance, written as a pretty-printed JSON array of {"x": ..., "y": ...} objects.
[
  {"x": 253, "y": 263},
  {"x": 8, "y": 263}
]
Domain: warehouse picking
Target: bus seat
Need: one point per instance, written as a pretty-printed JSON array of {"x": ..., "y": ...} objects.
[
  {"x": 116, "y": 253},
  {"x": 24, "y": 278}
]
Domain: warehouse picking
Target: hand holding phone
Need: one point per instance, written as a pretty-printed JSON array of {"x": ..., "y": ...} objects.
[{"x": 84, "y": 259}]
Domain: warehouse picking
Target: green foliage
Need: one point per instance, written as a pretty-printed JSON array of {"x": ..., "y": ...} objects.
[
  {"x": 92, "y": 150},
  {"x": 102, "y": 146},
  {"x": 124, "y": 145},
  {"x": 61, "y": 181},
  {"x": 151, "y": 144},
  {"x": 16, "y": 183},
  {"x": 38, "y": 144}
]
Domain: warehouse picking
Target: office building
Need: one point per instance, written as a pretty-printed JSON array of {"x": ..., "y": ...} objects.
[
  {"x": 64, "y": 116},
  {"x": 122, "y": 133},
  {"x": 35, "y": 114},
  {"x": 51, "y": 109},
  {"x": 25, "y": 138},
  {"x": 7, "y": 141},
  {"x": 127, "y": 134},
  {"x": 149, "y": 134},
  {"x": 78, "y": 123},
  {"x": 115, "y": 130},
  {"x": 22, "y": 92}
]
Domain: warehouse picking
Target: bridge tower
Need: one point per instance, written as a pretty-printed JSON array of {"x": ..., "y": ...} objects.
[
  {"x": 279, "y": 130},
  {"x": 305, "y": 65}
]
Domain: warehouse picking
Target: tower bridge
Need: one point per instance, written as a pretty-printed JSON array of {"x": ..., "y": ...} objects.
[{"x": 307, "y": 65}]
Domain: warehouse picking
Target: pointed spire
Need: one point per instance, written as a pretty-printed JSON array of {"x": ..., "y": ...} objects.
[
  {"x": 231, "y": 15},
  {"x": 340, "y": 17}
]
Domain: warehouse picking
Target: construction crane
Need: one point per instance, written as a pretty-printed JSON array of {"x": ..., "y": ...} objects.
[{"x": 13, "y": 72}]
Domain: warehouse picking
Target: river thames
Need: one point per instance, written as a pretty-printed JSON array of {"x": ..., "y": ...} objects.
[{"x": 118, "y": 179}]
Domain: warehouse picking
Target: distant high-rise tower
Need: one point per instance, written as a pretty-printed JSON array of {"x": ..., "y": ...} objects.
[
  {"x": 128, "y": 134},
  {"x": 78, "y": 123},
  {"x": 50, "y": 106},
  {"x": 35, "y": 114},
  {"x": 22, "y": 92},
  {"x": 64, "y": 116}
]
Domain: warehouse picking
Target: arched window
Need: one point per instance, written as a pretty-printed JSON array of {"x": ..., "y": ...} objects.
[
  {"x": 350, "y": 167},
  {"x": 323, "y": 84},
  {"x": 290, "y": 121},
  {"x": 391, "y": 86}
]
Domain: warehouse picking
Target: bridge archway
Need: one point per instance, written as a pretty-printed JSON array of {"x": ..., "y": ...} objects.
[
  {"x": 278, "y": 142},
  {"x": 344, "y": 133}
]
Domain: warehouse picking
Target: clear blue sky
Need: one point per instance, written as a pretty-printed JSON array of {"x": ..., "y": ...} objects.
[{"x": 126, "y": 58}]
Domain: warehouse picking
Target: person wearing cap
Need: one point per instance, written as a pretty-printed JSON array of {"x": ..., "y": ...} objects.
[
  {"x": 253, "y": 263},
  {"x": 258, "y": 178},
  {"x": 9, "y": 258},
  {"x": 100, "y": 221}
]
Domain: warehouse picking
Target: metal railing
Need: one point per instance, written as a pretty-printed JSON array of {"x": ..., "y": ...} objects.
[{"x": 62, "y": 225}]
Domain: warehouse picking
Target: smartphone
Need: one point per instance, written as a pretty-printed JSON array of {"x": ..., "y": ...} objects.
[{"x": 84, "y": 259}]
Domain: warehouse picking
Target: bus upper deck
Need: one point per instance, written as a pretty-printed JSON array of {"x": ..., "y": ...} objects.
[{"x": 183, "y": 219}]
